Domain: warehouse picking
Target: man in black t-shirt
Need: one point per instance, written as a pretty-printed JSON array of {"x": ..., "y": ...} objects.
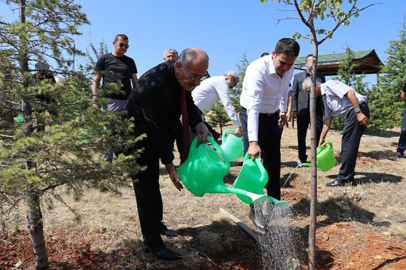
[{"x": 119, "y": 74}]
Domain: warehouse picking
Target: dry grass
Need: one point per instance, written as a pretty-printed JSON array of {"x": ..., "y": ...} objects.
[{"x": 110, "y": 222}]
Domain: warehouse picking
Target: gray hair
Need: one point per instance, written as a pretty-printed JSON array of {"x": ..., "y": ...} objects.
[
  {"x": 171, "y": 51},
  {"x": 190, "y": 54},
  {"x": 308, "y": 82},
  {"x": 235, "y": 76}
]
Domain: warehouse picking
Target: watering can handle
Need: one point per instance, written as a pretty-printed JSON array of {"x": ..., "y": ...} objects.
[
  {"x": 259, "y": 165},
  {"x": 324, "y": 145},
  {"x": 192, "y": 148},
  {"x": 223, "y": 139},
  {"x": 219, "y": 149}
]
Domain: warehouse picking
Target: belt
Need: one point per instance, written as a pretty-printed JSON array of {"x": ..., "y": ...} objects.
[
  {"x": 268, "y": 114},
  {"x": 263, "y": 114}
]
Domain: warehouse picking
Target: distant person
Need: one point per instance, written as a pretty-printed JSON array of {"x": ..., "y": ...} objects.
[
  {"x": 43, "y": 74},
  {"x": 114, "y": 68},
  {"x": 289, "y": 111},
  {"x": 213, "y": 90},
  {"x": 170, "y": 54},
  {"x": 341, "y": 99},
  {"x": 301, "y": 109},
  {"x": 264, "y": 100},
  {"x": 402, "y": 139},
  {"x": 156, "y": 104},
  {"x": 264, "y": 54}
]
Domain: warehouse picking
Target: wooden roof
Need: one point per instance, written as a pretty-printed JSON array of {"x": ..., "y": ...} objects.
[{"x": 365, "y": 62}]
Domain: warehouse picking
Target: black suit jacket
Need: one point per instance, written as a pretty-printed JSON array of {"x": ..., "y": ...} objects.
[
  {"x": 154, "y": 102},
  {"x": 301, "y": 103}
]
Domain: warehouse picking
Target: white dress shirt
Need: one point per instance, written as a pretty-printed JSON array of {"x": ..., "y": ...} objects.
[
  {"x": 212, "y": 90},
  {"x": 263, "y": 92},
  {"x": 334, "y": 99}
]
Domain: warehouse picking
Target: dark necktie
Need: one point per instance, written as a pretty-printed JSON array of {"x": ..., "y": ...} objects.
[{"x": 185, "y": 124}]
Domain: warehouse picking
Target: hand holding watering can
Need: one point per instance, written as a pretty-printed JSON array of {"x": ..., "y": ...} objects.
[{"x": 202, "y": 134}]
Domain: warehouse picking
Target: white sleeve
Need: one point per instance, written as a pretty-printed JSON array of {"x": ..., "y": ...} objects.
[
  {"x": 223, "y": 92},
  {"x": 253, "y": 85}
]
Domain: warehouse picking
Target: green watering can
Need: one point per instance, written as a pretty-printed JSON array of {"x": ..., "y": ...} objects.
[
  {"x": 253, "y": 178},
  {"x": 325, "y": 157},
  {"x": 232, "y": 145},
  {"x": 204, "y": 169}
]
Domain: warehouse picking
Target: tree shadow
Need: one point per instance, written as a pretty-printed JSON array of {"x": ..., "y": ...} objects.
[
  {"x": 383, "y": 133},
  {"x": 387, "y": 154},
  {"x": 370, "y": 177},
  {"x": 338, "y": 209}
]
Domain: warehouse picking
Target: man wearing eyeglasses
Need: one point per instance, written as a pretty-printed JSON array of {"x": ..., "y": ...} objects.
[
  {"x": 215, "y": 89},
  {"x": 156, "y": 104},
  {"x": 119, "y": 74}
]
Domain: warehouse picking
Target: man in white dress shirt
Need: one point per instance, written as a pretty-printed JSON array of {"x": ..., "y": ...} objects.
[
  {"x": 339, "y": 98},
  {"x": 264, "y": 100},
  {"x": 215, "y": 89}
]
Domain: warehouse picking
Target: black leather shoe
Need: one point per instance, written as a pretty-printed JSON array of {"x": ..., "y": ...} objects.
[
  {"x": 162, "y": 253},
  {"x": 256, "y": 220},
  {"x": 338, "y": 183}
]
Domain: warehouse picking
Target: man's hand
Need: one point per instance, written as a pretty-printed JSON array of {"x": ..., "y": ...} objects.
[
  {"x": 362, "y": 119},
  {"x": 238, "y": 131},
  {"x": 254, "y": 150},
  {"x": 202, "y": 132},
  {"x": 173, "y": 174},
  {"x": 282, "y": 119}
]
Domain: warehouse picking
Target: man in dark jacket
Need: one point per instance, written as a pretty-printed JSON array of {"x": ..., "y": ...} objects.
[
  {"x": 155, "y": 103},
  {"x": 301, "y": 108}
]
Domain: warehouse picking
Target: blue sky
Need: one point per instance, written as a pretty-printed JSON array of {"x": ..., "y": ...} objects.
[{"x": 226, "y": 29}]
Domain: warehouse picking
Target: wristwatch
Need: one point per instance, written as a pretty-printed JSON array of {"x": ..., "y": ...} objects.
[{"x": 357, "y": 110}]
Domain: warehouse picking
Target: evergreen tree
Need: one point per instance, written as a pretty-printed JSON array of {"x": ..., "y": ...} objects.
[
  {"x": 236, "y": 91},
  {"x": 50, "y": 148},
  {"x": 384, "y": 99},
  {"x": 218, "y": 117}
]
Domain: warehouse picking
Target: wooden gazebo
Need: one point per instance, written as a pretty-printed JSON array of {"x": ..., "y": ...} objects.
[{"x": 365, "y": 62}]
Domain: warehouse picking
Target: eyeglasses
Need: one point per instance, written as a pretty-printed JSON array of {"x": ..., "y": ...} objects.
[
  {"x": 123, "y": 45},
  {"x": 193, "y": 76}
]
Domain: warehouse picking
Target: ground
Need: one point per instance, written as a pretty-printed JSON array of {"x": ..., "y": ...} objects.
[{"x": 360, "y": 228}]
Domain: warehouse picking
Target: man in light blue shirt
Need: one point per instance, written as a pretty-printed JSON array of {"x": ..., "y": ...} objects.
[
  {"x": 264, "y": 100},
  {"x": 342, "y": 100}
]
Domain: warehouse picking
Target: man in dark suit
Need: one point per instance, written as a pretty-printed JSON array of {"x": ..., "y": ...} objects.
[
  {"x": 301, "y": 108},
  {"x": 156, "y": 105}
]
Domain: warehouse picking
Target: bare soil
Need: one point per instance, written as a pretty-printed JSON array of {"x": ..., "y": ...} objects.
[{"x": 360, "y": 228}]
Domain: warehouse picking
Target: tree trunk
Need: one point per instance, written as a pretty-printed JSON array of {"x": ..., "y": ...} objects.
[
  {"x": 313, "y": 143},
  {"x": 36, "y": 228}
]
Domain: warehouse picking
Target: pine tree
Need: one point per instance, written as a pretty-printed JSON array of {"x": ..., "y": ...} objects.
[
  {"x": 218, "y": 117},
  {"x": 236, "y": 91},
  {"x": 48, "y": 150},
  {"x": 384, "y": 100}
]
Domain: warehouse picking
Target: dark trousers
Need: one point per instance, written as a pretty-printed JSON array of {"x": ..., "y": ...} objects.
[
  {"x": 402, "y": 138},
  {"x": 303, "y": 122},
  {"x": 149, "y": 200},
  {"x": 269, "y": 139},
  {"x": 350, "y": 142}
]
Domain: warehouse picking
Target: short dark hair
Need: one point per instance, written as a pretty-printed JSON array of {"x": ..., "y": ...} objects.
[
  {"x": 120, "y": 35},
  {"x": 309, "y": 55},
  {"x": 264, "y": 54},
  {"x": 287, "y": 46}
]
